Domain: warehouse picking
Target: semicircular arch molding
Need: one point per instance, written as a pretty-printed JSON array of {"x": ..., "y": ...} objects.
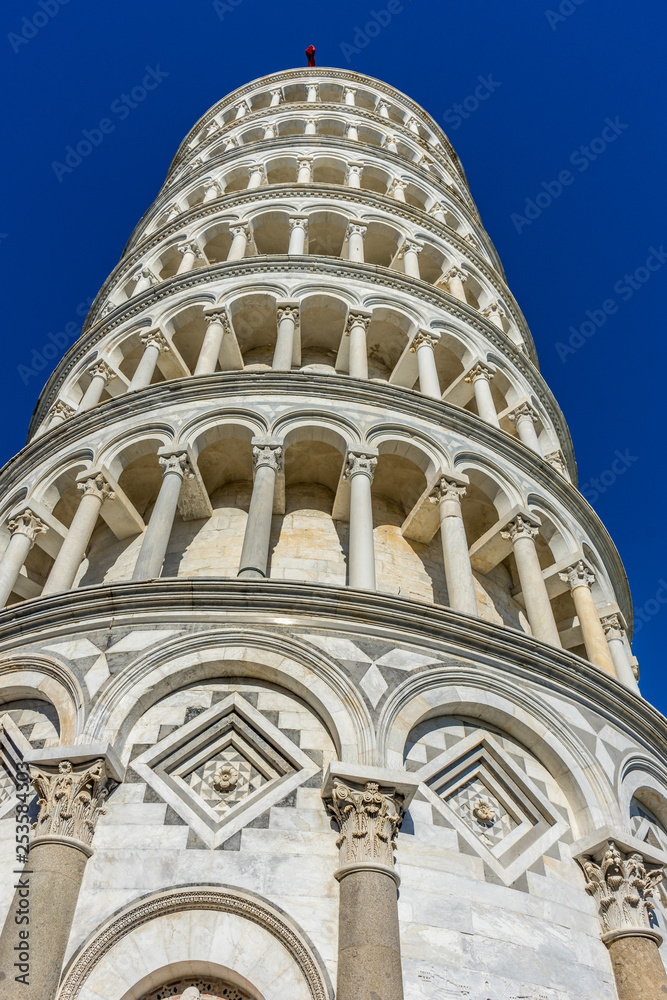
[{"x": 45, "y": 679}]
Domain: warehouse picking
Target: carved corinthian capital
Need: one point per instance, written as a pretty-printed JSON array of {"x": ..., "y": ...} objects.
[
  {"x": 72, "y": 799},
  {"x": 622, "y": 887}
]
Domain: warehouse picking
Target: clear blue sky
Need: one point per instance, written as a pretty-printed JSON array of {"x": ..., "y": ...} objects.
[{"x": 557, "y": 78}]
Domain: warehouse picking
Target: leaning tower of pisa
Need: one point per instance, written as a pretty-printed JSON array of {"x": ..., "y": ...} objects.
[{"x": 318, "y": 662}]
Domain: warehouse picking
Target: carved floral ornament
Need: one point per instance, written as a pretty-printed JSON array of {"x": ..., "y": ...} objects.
[
  {"x": 72, "y": 799},
  {"x": 622, "y": 888},
  {"x": 368, "y": 819}
]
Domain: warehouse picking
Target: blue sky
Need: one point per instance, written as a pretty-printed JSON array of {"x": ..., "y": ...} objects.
[{"x": 575, "y": 87}]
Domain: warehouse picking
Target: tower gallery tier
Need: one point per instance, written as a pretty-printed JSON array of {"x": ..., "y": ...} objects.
[{"x": 301, "y": 602}]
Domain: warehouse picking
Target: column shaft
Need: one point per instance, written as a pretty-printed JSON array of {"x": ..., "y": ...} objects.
[
  {"x": 74, "y": 547},
  {"x": 93, "y": 393},
  {"x": 458, "y": 571},
  {"x": 355, "y": 245},
  {"x": 526, "y": 430},
  {"x": 429, "y": 383},
  {"x": 257, "y": 537},
  {"x": 358, "y": 351},
  {"x": 369, "y": 946},
  {"x": 284, "y": 350},
  {"x": 15, "y": 555},
  {"x": 538, "y": 605},
  {"x": 156, "y": 537},
  {"x": 595, "y": 641},
  {"x": 297, "y": 238},
  {"x": 146, "y": 368},
  {"x": 361, "y": 559},
  {"x": 210, "y": 348},
  {"x": 638, "y": 969},
  {"x": 484, "y": 399}
]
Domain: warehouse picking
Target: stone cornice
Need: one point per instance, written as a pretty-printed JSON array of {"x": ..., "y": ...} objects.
[
  {"x": 330, "y": 74},
  {"x": 134, "y": 253},
  {"x": 229, "y": 385},
  {"x": 335, "y": 267},
  {"x": 517, "y": 655}
]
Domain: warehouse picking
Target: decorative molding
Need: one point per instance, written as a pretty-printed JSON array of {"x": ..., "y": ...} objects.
[
  {"x": 98, "y": 487},
  {"x": 520, "y": 527},
  {"x": 179, "y": 463},
  {"x": 360, "y": 463},
  {"x": 27, "y": 523},
  {"x": 578, "y": 575},
  {"x": 268, "y": 453},
  {"x": 623, "y": 888},
  {"x": 369, "y": 820},
  {"x": 447, "y": 489}
]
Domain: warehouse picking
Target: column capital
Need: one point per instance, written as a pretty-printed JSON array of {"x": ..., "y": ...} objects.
[
  {"x": 298, "y": 222},
  {"x": 447, "y": 489},
  {"x": 368, "y": 804},
  {"x": 349, "y": 90},
  {"x": 614, "y": 625},
  {"x": 354, "y": 168},
  {"x": 154, "y": 338},
  {"x": 360, "y": 463},
  {"x": 178, "y": 462},
  {"x": 457, "y": 274},
  {"x": 304, "y": 161},
  {"x": 524, "y": 410},
  {"x": 277, "y": 92},
  {"x": 287, "y": 308},
  {"x": 26, "y": 522},
  {"x": 428, "y": 337},
  {"x": 622, "y": 884},
  {"x": 240, "y": 229},
  {"x": 494, "y": 309},
  {"x": 351, "y": 127},
  {"x": 268, "y": 453},
  {"x": 189, "y": 247},
  {"x": 100, "y": 369},
  {"x": 437, "y": 207},
  {"x": 72, "y": 796},
  {"x": 257, "y": 168},
  {"x": 520, "y": 527},
  {"x": 214, "y": 186},
  {"x": 397, "y": 183},
  {"x": 579, "y": 574},
  {"x": 145, "y": 272},
  {"x": 410, "y": 246},
  {"x": 381, "y": 105},
  {"x": 356, "y": 229},
  {"x": 95, "y": 485},
  {"x": 556, "y": 461},
  {"x": 357, "y": 317},
  {"x": 479, "y": 370},
  {"x": 216, "y": 314},
  {"x": 62, "y": 409}
]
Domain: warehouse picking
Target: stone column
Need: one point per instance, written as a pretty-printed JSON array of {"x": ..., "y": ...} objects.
[
  {"x": 231, "y": 143},
  {"x": 100, "y": 373},
  {"x": 622, "y": 885},
  {"x": 353, "y": 176},
  {"x": 525, "y": 418},
  {"x": 494, "y": 313},
  {"x": 382, "y": 109},
  {"x": 614, "y": 630},
  {"x": 305, "y": 168},
  {"x": 312, "y": 92},
  {"x": 350, "y": 95},
  {"x": 276, "y": 97},
  {"x": 397, "y": 190},
  {"x": 413, "y": 125},
  {"x": 216, "y": 323},
  {"x": 298, "y": 225},
  {"x": 288, "y": 318},
  {"x": 368, "y": 804},
  {"x": 580, "y": 578},
  {"x": 522, "y": 535},
  {"x": 212, "y": 192},
  {"x": 144, "y": 279},
  {"x": 154, "y": 344},
  {"x": 156, "y": 537},
  {"x": 95, "y": 491},
  {"x": 352, "y": 132},
  {"x": 71, "y": 799},
  {"x": 557, "y": 463},
  {"x": 355, "y": 241},
  {"x": 241, "y": 110},
  {"x": 392, "y": 146},
  {"x": 423, "y": 346},
  {"x": 255, "y": 176},
  {"x": 268, "y": 458},
  {"x": 357, "y": 324},
  {"x": 359, "y": 469},
  {"x": 24, "y": 527},
  {"x": 311, "y": 126},
  {"x": 458, "y": 571},
  {"x": 456, "y": 278},
  {"x": 438, "y": 213},
  {"x": 60, "y": 412},
  {"x": 190, "y": 253},
  {"x": 240, "y": 239},
  {"x": 480, "y": 375},
  {"x": 269, "y": 131},
  {"x": 410, "y": 253}
]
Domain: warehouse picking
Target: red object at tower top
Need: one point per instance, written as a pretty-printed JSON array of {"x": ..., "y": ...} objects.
[{"x": 310, "y": 52}]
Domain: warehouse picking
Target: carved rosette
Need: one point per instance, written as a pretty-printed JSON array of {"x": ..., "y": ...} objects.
[
  {"x": 368, "y": 819},
  {"x": 72, "y": 799},
  {"x": 623, "y": 889}
]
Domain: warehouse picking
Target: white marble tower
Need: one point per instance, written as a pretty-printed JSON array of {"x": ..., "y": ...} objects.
[{"x": 302, "y": 603}]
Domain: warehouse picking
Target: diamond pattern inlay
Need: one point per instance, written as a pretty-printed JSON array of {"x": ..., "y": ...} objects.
[{"x": 482, "y": 811}]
